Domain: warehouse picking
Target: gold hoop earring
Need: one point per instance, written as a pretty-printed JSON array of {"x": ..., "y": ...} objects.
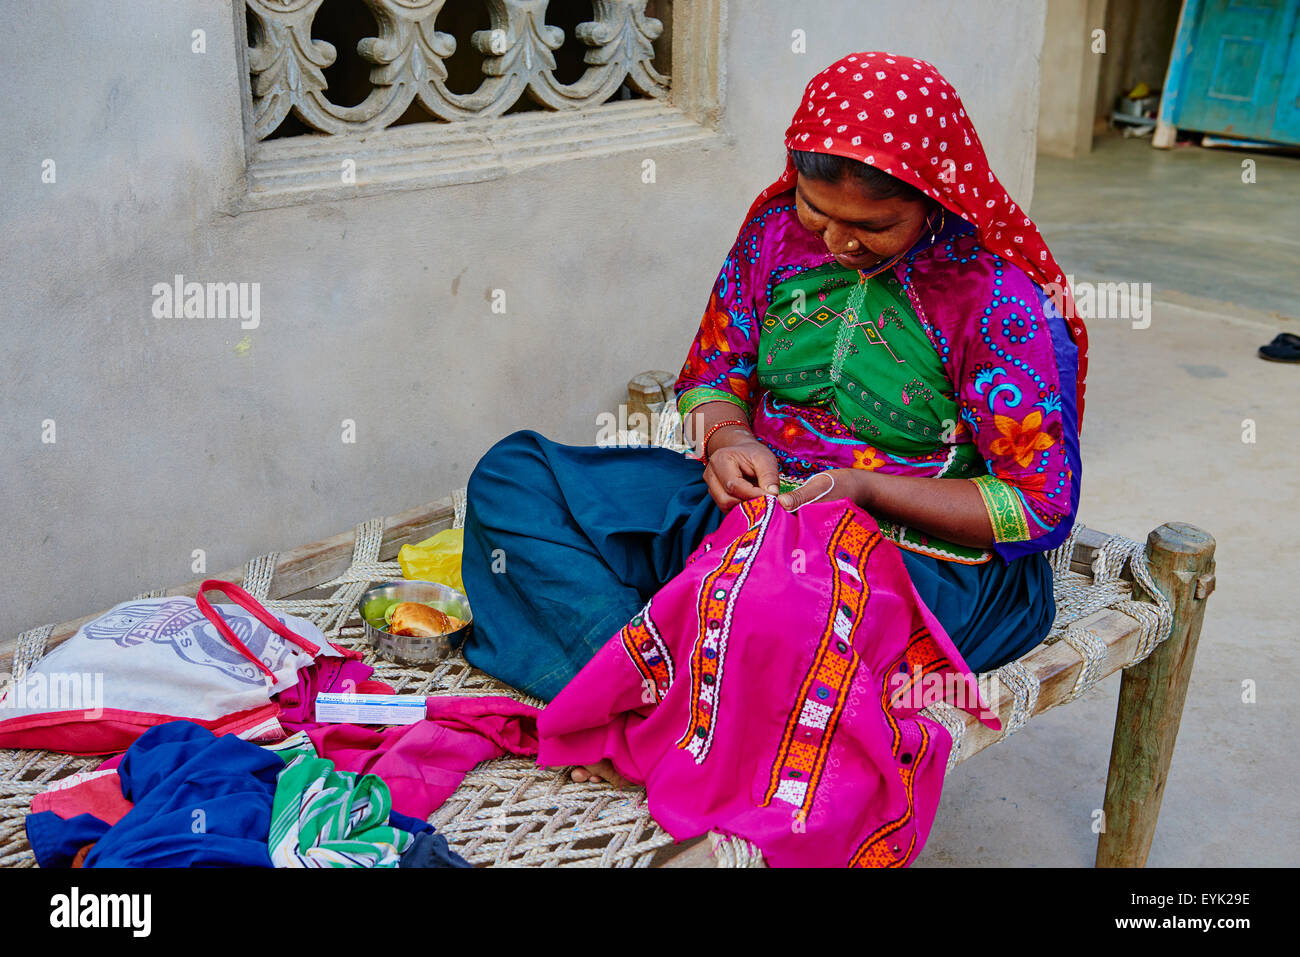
[{"x": 930, "y": 222}]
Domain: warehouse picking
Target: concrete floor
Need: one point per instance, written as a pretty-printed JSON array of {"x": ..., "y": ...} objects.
[{"x": 1163, "y": 442}]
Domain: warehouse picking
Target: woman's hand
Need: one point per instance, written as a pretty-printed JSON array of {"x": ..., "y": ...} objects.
[
  {"x": 740, "y": 468},
  {"x": 830, "y": 485}
]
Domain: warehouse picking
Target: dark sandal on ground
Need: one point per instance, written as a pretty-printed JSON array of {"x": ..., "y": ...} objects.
[{"x": 1285, "y": 347}]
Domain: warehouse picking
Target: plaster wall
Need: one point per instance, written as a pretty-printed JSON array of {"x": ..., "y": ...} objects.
[
  {"x": 1071, "y": 65},
  {"x": 179, "y": 434}
]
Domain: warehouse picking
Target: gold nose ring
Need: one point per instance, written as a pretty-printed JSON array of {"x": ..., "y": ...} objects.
[{"x": 852, "y": 244}]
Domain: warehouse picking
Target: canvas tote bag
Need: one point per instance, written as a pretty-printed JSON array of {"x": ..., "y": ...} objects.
[{"x": 154, "y": 660}]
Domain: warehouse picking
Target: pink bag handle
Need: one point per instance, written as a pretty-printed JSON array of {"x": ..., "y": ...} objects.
[{"x": 251, "y": 604}]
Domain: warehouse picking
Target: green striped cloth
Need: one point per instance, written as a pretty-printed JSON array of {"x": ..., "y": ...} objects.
[{"x": 321, "y": 817}]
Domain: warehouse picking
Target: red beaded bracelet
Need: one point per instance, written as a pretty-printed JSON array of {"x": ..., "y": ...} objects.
[{"x": 704, "y": 446}]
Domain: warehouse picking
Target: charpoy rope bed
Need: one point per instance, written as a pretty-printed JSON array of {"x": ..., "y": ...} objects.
[{"x": 510, "y": 812}]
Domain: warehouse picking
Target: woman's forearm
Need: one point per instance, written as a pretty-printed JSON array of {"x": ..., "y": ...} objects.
[{"x": 952, "y": 509}]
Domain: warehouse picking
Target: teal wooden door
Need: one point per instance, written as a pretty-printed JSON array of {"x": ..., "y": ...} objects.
[
  {"x": 1286, "y": 121},
  {"x": 1240, "y": 69}
]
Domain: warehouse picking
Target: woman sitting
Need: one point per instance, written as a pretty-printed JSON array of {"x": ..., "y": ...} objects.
[{"x": 882, "y": 321}]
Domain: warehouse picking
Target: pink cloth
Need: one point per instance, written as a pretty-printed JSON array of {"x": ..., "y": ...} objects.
[
  {"x": 97, "y": 792},
  {"x": 423, "y": 763},
  {"x": 771, "y": 691},
  {"x": 347, "y": 675}
]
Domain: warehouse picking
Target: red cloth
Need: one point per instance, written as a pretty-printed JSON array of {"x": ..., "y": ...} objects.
[
  {"x": 898, "y": 114},
  {"x": 97, "y": 792},
  {"x": 80, "y": 859},
  {"x": 423, "y": 763}
]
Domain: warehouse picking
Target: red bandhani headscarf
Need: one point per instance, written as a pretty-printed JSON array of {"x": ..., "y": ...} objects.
[{"x": 900, "y": 115}]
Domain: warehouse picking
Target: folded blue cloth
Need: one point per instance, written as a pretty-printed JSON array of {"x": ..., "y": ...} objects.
[
  {"x": 55, "y": 840},
  {"x": 200, "y": 801}
]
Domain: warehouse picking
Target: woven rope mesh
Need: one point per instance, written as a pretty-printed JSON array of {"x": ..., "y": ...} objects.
[
  {"x": 506, "y": 812},
  {"x": 511, "y": 812}
]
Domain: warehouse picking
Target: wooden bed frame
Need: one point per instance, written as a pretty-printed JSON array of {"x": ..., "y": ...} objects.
[{"x": 1152, "y": 692}]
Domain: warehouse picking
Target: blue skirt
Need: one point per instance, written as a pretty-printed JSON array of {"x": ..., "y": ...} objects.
[{"x": 564, "y": 544}]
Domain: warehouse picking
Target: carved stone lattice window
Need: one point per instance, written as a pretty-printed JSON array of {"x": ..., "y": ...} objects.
[{"x": 351, "y": 97}]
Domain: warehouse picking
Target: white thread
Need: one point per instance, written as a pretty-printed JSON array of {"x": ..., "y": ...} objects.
[{"x": 822, "y": 495}]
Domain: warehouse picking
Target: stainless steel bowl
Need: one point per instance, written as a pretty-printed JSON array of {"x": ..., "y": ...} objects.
[{"x": 417, "y": 651}]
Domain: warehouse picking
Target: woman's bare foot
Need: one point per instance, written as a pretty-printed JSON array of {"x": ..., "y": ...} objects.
[{"x": 600, "y": 771}]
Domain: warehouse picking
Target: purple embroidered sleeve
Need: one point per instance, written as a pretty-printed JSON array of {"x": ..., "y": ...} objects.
[
  {"x": 1009, "y": 390},
  {"x": 1007, "y": 353},
  {"x": 723, "y": 359}
]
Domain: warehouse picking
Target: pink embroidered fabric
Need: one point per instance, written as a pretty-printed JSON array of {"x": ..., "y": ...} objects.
[{"x": 772, "y": 689}]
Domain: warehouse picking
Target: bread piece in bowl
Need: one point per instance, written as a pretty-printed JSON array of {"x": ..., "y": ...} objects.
[{"x": 415, "y": 620}]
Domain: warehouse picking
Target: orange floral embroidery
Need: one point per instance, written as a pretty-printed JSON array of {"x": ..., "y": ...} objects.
[
  {"x": 713, "y": 330},
  {"x": 1020, "y": 440},
  {"x": 1033, "y": 482},
  {"x": 867, "y": 459}
]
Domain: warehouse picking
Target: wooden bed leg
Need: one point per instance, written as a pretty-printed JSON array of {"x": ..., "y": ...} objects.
[{"x": 1151, "y": 697}]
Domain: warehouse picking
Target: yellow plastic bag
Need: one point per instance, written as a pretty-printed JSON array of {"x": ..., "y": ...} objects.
[{"x": 435, "y": 559}]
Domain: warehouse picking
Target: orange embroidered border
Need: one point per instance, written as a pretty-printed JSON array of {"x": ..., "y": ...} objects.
[
  {"x": 715, "y": 604},
  {"x": 877, "y": 850},
  {"x": 643, "y": 644},
  {"x": 801, "y": 757},
  {"x": 921, "y": 657}
]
